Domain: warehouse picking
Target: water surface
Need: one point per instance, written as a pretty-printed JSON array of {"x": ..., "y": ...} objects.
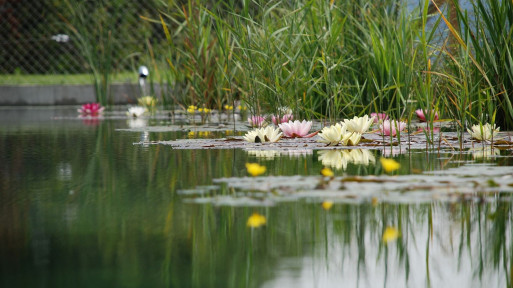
[{"x": 82, "y": 206}]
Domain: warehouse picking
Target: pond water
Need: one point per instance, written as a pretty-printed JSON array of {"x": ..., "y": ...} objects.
[{"x": 84, "y": 204}]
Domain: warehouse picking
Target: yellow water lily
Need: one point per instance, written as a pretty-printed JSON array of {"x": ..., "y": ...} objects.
[
  {"x": 389, "y": 165},
  {"x": 255, "y": 169},
  {"x": 191, "y": 109},
  {"x": 483, "y": 132},
  {"x": 391, "y": 234},
  {"x": 256, "y": 220},
  {"x": 260, "y": 135},
  {"x": 326, "y": 172},
  {"x": 326, "y": 205},
  {"x": 204, "y": 110},
  {"x": 359, "y": 124}
]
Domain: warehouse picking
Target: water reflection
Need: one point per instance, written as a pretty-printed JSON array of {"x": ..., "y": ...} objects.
[
  {"x": 339, "y": 159},
  {"x": 484, "y": 152},
  {"x": 271, "y": 154},
  {"x": 86, "y": 207}
]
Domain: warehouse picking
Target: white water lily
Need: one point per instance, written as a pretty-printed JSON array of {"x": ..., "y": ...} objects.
[
  {"x": 351, "y": 139},
  {"x": 483, "y": 132},
  {"x": 359, "y": 124},
  {"x": 136, "y": 111},
  {"x": 332, "y": 135},
  {"x": 259, "y": 135}
]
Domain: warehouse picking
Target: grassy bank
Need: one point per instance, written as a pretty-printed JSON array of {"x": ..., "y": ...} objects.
[{"x": 65, "y": 79}]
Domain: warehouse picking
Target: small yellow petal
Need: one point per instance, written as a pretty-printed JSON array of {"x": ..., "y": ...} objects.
[
  {"x": 327, "y": 205},
  {"x": 256, "y": 220},
  {"x": 254, "y": 169},
  {"x": 389, "y": 165},
  {"x": 391, "y": 234},
  {"x": 326, "y": 172}
]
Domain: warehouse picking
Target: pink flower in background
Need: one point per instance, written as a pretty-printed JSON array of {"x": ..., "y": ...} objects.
[
  {"x": 379, "y": 117},
  {"x": 284, "y": 119},
  {"x": 390, "y": 128},
  {"x": 422, "y": 117},
  {"x": 257, "y": 121},
  {"x": 92, "y": 109},
  {"x": 297, "y": 129}
]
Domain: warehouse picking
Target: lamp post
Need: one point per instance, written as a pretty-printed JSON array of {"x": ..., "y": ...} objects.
[{"x": 143, "y": 73}]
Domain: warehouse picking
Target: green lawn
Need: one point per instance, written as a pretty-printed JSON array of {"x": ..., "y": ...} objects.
[{"x": 11, "y": 79}]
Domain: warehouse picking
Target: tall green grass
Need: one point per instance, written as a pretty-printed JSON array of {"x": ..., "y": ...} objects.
[{"x": 333, "y": 59}]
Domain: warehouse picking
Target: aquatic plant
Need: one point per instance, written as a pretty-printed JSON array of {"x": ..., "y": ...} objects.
[
  {"x": 389, "y": 165},
  {"x": 192, "y": 109},
  {"x": 285, "y": 118},
  {"x": 326, "y": 205},
  {"x": 327, "y": 172},
  {"x": 257, "y": 121},
  {"x": 297, "y": 129},
  {"x": 255, "y": 169},
  {"x": 390, "y": 234},
  {"x": 338, "y": 134},
  {"x": 391, "y": 127},
  {"x": 359, "y": 124},
  {"x": 91, "y": 109},
  {"x": 136, "y": 111},
  {"x": 256, "y": 220},
  {"x": 260, "y": 135},
  {"x": 148, "y": 102},
  {"x": 422, "y": 117},
  {"x": 379, "y": 117},
  {"x": 332, "y": 135},
  {"x": 483, "y": 132},
  {"x": 284, "y": 115}
]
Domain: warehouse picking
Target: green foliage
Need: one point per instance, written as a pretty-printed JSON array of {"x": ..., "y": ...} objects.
[{"x": 339, "y": 59}]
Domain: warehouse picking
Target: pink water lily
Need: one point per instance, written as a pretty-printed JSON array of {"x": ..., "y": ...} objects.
[
  {"x": 285, "y": 118},
  {"x": 390, "y": 128},
  {"x": 92, "y": 109},
  {"x": 257, "y": 121},
  {"x": 422, "y": 117},
  {"x": 297, "y": 129},
  {"x": 379, "y": 117}
]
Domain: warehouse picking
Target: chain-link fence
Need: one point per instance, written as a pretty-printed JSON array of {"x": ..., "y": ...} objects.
[{"x": 40, "y": 40}]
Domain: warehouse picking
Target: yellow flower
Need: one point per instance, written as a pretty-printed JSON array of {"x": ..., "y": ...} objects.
[
  {"x": 191, "y": 134},
  {"x": 228, "y": 107},
  {"x": 241, "y": 108},
  {"x": 391, "y": 234},
  {"x": 389, "y": 165},
  {"x": 191, "y": 109},
  {"x": 204, "y": 110},
  {"x": 256, "y": 220},
  {"x": 255, "y": 169},
  {"x": 326, "y": 172},
  {"x": 327, "y": 205}
]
